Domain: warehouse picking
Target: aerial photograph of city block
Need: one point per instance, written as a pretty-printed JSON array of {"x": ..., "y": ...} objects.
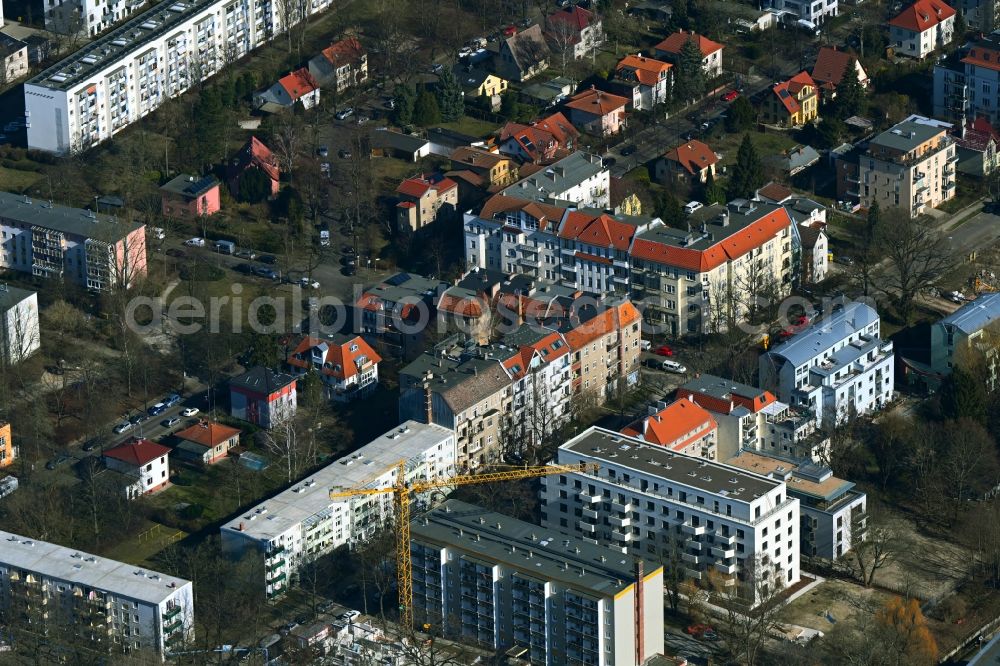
[{"x": 500, "y": 332}]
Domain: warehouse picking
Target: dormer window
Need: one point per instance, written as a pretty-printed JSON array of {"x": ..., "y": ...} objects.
[{"x": 354, "y": 348}]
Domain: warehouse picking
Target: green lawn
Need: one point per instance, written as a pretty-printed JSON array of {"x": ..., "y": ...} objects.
[
  {"x": 470, "y": 126},
  {"x": 142, "y": 547},
  {"x": 767, "y": 144},
  {"x": 14, "y": 180}
]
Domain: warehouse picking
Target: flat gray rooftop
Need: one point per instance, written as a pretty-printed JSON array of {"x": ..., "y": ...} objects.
[
  {"x": 609, "y": 448},
  {"x": 557, "y": 177},
  {"x": 720, "y": 387},
  {"x": 11, "y": 296},
  {"x": 906, "y": 136},
  {"x": 976, "y": 315},
  {"x": 75, "y": 221},
  {"x": 713, "y": 224},
  {"x": 74, "y": 566},
  {"x": 539, "y": 552}
]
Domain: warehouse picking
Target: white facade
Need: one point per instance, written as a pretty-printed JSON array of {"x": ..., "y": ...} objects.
[
  {"x": 645, "y": 500},
  {"x": 578, "y": 179},
  {"x": 149, "y": 476},
  {"x": 303, "y": 523},
  {"x": 131, "y": 71},
  {"x": 111, "y": 605},
  {"x": 837, "y": 367},
  {"x": 86, "y": 17},
  {"x": 968, "y": 87},
  {"x": 814, "y": 11},
  {"x": 19, "y": 333}
]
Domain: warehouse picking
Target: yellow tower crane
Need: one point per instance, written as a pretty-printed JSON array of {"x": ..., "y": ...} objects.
[{"x": 401, "y": 493}]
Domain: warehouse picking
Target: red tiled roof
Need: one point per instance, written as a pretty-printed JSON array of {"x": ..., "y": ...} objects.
[
  {"x": 546, "y": 214},
  {"x": 786, "y": 91},
  {"x": 343, "y": 363},
  {"x": 208, "y": 433},
  {"x": 460, "y": 305},
  {"x": 775, "y": 192},
  {"x": 418, "y": 186},
  {"x": 983, "y": 57},
  {"x": 615, "y": 317},
  {"x": 647, "y": 71},
  {"x": 559, "y": 127},
  {"x": 732, "y": 247},
  {"x": 137, "y": 452},
  {"x": 600, "y": 231},
  {"x": 597, "y": 102},
  {"x": 672, "y": 425},
  {"x": 260, "y": 156},
  {"x": 575, "y": 17},
  {"x": 693, "y": 156},
  {"x": 675, "y": 42},
  {"x": 298, "y": 83},
  {"x": 343, "y": 52},
  {"x": 831, "y": 64},
  {"x": 922, "y": 15}
]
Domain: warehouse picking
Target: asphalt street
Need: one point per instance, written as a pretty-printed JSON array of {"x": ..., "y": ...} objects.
[{"x": 978, "y": 232}]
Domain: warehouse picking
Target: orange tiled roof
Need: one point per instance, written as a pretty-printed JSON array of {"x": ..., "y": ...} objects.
[
  {"x": 342, "y": 362},
  {"x": 298, "y": 84},
  {"x": 460, "y": 305},
  {"x": 418, "y": 186},
  {"x": 786, "y": 91},
  {"x": 647, "y": 71},
  {"x": 259, "y": 155},
  {"x": 615, "y": 317},
  {"x": 597, "y": 102},
  {"x": 343, "y": 52},
  {"x": 831, "y": 64},
  {"x": 693, "y": 156},
  {"x": 208, "y": 433},
  {"x": 922, "y": 15},
  {"x": 677, "y": 425},
  {"x": 137, "y": 452},
  {"x": 675, "y": 42},
  {"x": 546, "y": 214},
  {"x": 559, "y": 127},
  {"x": 983, "y": 57},
  {"x": 600, "y": 231}
]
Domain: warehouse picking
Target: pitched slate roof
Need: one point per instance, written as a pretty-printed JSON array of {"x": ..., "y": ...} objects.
[
  {"x": 527, "y": 47},
  {"x": 922, "y": 15},
  {"x": 137, "y": 452},
  {"x": 693, "y": 156},
  {"x": 262, "y": 380},
  {"x": 976, "y": 315},
  {"x": 675, "y": 42}
]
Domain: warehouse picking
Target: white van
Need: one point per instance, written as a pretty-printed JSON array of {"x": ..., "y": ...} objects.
[
  {"x": 673, "y": 366},
  {"x": 692, "y": 206},
  {"x": 645, "y": 345}
]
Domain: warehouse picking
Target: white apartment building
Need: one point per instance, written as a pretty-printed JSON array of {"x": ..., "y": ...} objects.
[
  {"x": 86, "y": 17},
  {"x": 127, "y": 73},
  {"x": 502, "y": 583},
  {"x": 967, "y": 84},
  {"x": 579, "y": 179},
  {"x": 909, "y": 166},
  {"x": 812, "y": 11},
  {"x": 649, "y": 501},
  {"x": 110, "y": 605},
  {"x": 303, "y": 523},
  {"x": 922, "y": 27},
  {"x": 19, "y": 333},
  {"x": 836, "y": 368}
]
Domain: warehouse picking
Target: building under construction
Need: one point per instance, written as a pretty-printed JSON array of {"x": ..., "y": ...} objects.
[{"x": 508, "y": 585}]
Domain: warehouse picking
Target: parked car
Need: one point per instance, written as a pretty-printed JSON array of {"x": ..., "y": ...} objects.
[
  {"x": 344, "y": 154},
  {"x": 267, "y": 259},
  {"x": 363, "y": 119},
  {"x": 195, "y": 242},
  {"x": 323, "y": 151},
  {"x": 692, "y": 206},
  {"x": 122, "y": 427},
  {"x": 307, "y": 283},
  {"x": 171, "y": 422},
  {"x": 266, "y": 272},
  {"x": 348, "y": 250},
  {"x": 325, "y": 607},
  {"x": 349, "y": 271},
  {"x": 176, "y": 252},
  {"x": 287, "y": 627},
  {"x": 344, "y": 114},
  {"x": 349, "y": 615},
  {"x": 58, "y": 461},
  {"x": 628, "y": 150},
  {"x": 730, "y": 96},
  {"x": 663, "y": 350},
  {"x": 324, "y": 168},
  {"x": 246, "y": 269},
  {"x": 189, "y": 411},
  {"x": 673, "y": 366},
  {"x": 700, "y": 631},
  {"x": 324, "y": 237},
  {"x": 955, "y": 296},
  {"x": 645, "y": 345},
  {"x": 157, "y": 409},
  {"x": 90, "y": 445},
  {"x": 171, "y": 400},
  {"x": 246, "y": 254}
]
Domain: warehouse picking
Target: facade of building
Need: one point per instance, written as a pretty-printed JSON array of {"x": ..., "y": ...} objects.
[
  {"x": 539, "y": 142},
  {"x": 347, "y": 365},
  {"x": 253, "y": 155},
  {"x": 692, "y": 161},
  {"x": 653, "y": 77},
  {"x": 86, "y": 18},
  {"x": 699, "y": 280},
  {"x": 130, "y": 71},
  {"x": 832, "y": 511},
  {"x": 605, "y": 351},
  {"x": 13, "y": 57},
  {"x": 647, "y": 501},
  {"x": 262, "y": 397},
  {"x": 341, "y": 65},
  {"x": 670, "y": 49},
  {"x": 682, "y": 426},
  {"x": 967, "y": 85},
  {"x": 424, "y": 199},
  {"x": 597, "y": 112},
  {"x": 207, "y": 442},
  {"x": 303, "y": 523},
  {"x": 910, "y": 166},
  {"x": 47, "y": 240},
  {"x": 20, "y": 335},
  {"x": 8, "y": 452},
  {"x": 389, "y": 312},
  {"x": 812, "y": 12},
  {"x": 142, "y": 461},
  {"x": 575, "y": 30},
  {"x": 494, "y": 169},
  {"x": 111, "y": 606},
  {"x": 298, "y": 87},
  {"x": 977, "y": 146},
  {"x": 501, "y": 583},
  {"x": 792, "y": 103},
  {"x": 973, "y": 328},
  {"x": 921, "y": 28},
  {"x": 187, "y": 197},
  {"x": 522, "y": 55},
  {"x": 836, "y": 368}
]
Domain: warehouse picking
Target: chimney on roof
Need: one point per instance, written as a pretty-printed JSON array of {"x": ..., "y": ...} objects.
[{"x": 428, "y": 403}]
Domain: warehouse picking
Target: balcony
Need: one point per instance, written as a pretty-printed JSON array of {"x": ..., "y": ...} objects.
[
  {"x": 695, "y": 530},
  {"x": 588, "y": 499},
  {"x": 692, "y": 573},
  {"x": 620, "y": 522},
  {"x": 691, "y": 558},
  {"x": 589, "y": 513},
  {"x": 171, "y": 612},
  {"x": 586, "y": 527},
  {"x": 622, "y": 508},
  {"x": 173, "y": 626},
  {"x": 727, "y": 569},
  {"x": 723, "y": 553}
]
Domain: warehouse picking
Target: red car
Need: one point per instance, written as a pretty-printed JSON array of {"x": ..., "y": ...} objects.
[
  {"x": 701, "y": 631},
  {"x": 510, "y": 31},
  {"x": 663, "y": 350},
  {"x": 730, "y": 96}
]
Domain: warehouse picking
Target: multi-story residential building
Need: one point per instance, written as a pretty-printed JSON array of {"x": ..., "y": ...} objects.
[
  {"x": 605, "y": 349},
  {"x": 922, "y": 27},
  {"x": 597, "y": 112},
  {"x": 910, "y": 166},
  {"x": 648, "y": 80},
  {"x": 8, "y": 452},
  {"x": 691, "y": 161},
  {"x": 207, "y": 442},
  {"x": 978, "y": 148},
  {"x": 682, "y": 426},
  {"x": 670, "y": 49},
  {"x": 594, "y": 251},
  {"x": 792, "y": 103},
  {"x": 341, "y": 65},
  {"x": 837, "y": 368},
  {"x": 143, "y": 463},
  {"x": 346, "y": 364},
  {"x": 752, "y": 419},
  {"x": 967, "y": 84},
  {"x": 302, "y": 523},
  {"x": 832, "y": 511},
  {"x": 813, "y": 12},
  {"x": 493, "y": 169},
  {"x": 19, "y": 332},
  {"x": 578, "y": 179},
  {"x": 98, "y": 252},
  {"x": 187, "y": 197},
  {"x": 262, "y": 397},
  {"x": 646, "y": 500},
  {"x": 973, "y": 328},
  {"x": 424, "y": 199},
  {"x": 130, "y": 71},
  {"x": 108, "y": 605},
  {"x": 542, "y": 141},
  {"x": 575, "y": 31},
  {"x": 502, "y": 583},
  {"x": 397, "y": 311},
  {"x": 979, "y": 15},
  {"x": 86, "y": 18},
  {"x": 702, "y": 278}
]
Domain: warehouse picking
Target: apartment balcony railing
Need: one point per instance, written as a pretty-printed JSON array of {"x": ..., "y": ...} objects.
[
  {"x": 173, "y": 611},
  {"x": 620, "y": 522},
  {"x": 622, "y": 508},
  {"x": 695, "y": 530},
  {"x": 724, "y": 553},
  {"x": 584, "y": 526}
]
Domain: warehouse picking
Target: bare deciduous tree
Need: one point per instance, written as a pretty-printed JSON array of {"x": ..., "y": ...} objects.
[
  {"x": 876, "y": 541},
  {"x": 751, "y": 606},
  {"x": 917, "y": 259}
]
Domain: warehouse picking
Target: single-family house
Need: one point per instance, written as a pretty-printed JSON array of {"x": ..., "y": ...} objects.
[
  {"x": 143, "y": 462},
  {"x": 597, "y": 112},
  {"x": 494, "y": 169},
  {"x": 347, "y": 364},
  {"x": 792, "y": 103},
  {"x": 478, "y": 82},
  {"x": 522, "y": 55},
  {"x": 574, "y": 31},
  {"x": 262, "y": 397},
  {"x": 187, "y": 197},
  {"x": 207, "y": 442},
  {"x": 341, "y": 65},
  {"x": 976, "y": 147},
  {"x": 692, "y": 161},
  {"x": 424, "y": 199},
  {"x": 670, "y": 49},
  {"x": 831, "y": 64},
  {"x": 815, "y": 251},
  {"x": 796, "y": 159},
  {"x": 922, "y": 27},
  {"x": 649, "y": 80},
  {"x": 624, "y": 199},
  {"x": 13, "y": 57},
  {"x": 253, "y": 155},
  {"x": 297, "y": 86}
]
